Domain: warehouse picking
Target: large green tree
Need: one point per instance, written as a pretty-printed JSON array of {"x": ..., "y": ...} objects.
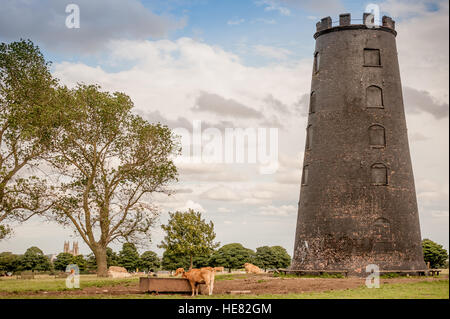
[
  {"x": 62, "y": 260},
  {"x": 9, "y": 262},
  {"x": 109, "y": 161},
  {"x": 129, "y": 257},
  {"x": 272, "y": 257},
  {"x": 172, "y": 261},
  {"x": 34, "y": 259},
  {"x": 149, "y": 260},
  {"x": 112, "y": 259},
  {"x": 232, "y": 256},
  {"x": 80, "y": 262},
  {"x": 434, "y": 253},
  {"x": 27, "y": 126},
  {"x": 188, "y": 234}
]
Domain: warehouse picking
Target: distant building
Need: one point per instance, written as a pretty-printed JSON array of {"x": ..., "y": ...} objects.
[{"x": 74, "y": 251}]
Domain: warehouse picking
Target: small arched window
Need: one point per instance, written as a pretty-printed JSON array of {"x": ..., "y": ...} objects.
[
  {"x": 309, "y": 135},
  {"x": 377, "y": 137},
  {"x": 382, "y": 229},
  {"x": 374, "y": 97},
  {"x": 382, "y": 238},
  {"x": 305, "y": 175},
  {"x": 316, "y": 62},
  {"x": 379, "y": 174},
  {"x": 312, "y": 102}
]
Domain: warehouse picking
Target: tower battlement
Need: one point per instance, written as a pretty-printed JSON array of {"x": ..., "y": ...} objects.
[{"x": 325, "y": 25}]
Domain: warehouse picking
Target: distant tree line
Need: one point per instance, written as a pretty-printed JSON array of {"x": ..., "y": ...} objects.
[
  {"x": 230, "y": 256},
  {"x": 35, "y": 260}
]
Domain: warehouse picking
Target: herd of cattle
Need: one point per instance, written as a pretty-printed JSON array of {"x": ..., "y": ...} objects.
[{"x": 195, "y": 276}]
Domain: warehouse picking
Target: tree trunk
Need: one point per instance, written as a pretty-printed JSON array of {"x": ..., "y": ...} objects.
[
  {"x": 190, "y": 267},
  {"x": 102, "y": 265}
]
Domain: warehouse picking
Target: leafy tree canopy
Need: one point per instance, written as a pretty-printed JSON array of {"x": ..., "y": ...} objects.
[
  {"x": 112, "y": 259},
  {"x": 34, "y": 259},
  {"x": 27, "y": 125},
  {"x": 62, "y": 260},
  {"x": 172, "y": 261},
  {"x": 434, "y": 253},
  {"x": 232, "y": 256},
  {"x": 149, "y": 261},
  {"x": 129, "y": 257},
  {"x": 8, "y": 262},
  {"x": 272, "y": 257},
  {"x": 80, "y": 262},
  {"x": 188, "y": 234}
]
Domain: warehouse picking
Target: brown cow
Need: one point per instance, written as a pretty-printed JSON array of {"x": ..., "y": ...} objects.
[
  {"x": 219, "y": 269},
  {"x": 196, "y": 277},
  {"x": 250, "y": 268}
]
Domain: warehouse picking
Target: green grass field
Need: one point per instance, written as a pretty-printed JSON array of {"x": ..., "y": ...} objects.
[
  {"x": 58, "y": 284},
  {"x": 415, "y": 290}
]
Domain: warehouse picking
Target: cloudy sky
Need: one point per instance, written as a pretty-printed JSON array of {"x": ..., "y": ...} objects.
[{"x": 243, "y": 63}]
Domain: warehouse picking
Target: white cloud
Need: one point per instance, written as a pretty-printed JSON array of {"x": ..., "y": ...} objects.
[
  {"x": 429, "y": 191},
  {"x": 236, "y": 21},
  {"x": 273, "y": 5},
  {"x": 211, "y": 172},
  {"x": 284, "y": 210},
  {"x": 325, "y": 7},
  {"x": 221, "y": 193},
  {"x": 265, "y": 21},
  {"x": 213, "y": 103},
  {"x": 170, "y": 75},
  {"x": 271, "y": 52},
  {"x": 440, "y": 214},
  {"x": 418, "y": 137},
  {"x": 422, "y": 43},
  {"x": 100, "y": 22},
  {"x": 192, "y": 205}
]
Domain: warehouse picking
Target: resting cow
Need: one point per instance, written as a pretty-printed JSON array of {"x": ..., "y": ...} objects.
[{"x": 250, "y": 268}]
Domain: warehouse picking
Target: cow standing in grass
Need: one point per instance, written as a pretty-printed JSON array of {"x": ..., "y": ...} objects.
[{"x": 196, "y": 277}]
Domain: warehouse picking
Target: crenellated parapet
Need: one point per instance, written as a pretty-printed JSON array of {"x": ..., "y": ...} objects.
[{"x": 325, "y": 25}]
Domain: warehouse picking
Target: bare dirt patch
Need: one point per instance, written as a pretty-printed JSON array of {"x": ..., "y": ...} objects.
[{"x": 263, "y": 284}]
